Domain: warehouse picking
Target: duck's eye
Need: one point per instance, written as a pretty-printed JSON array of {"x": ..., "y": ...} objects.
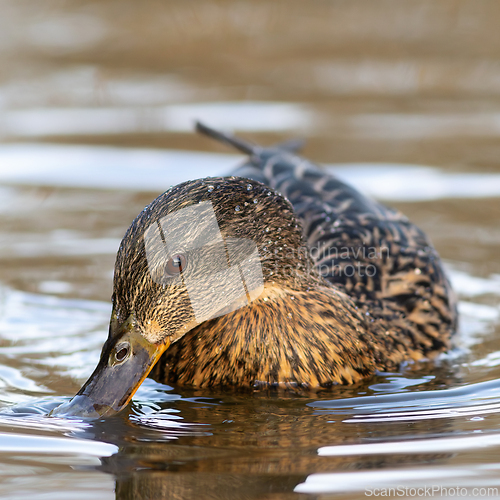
[
  {"x": 176, "y": 264},
  {"x": 122, "y": 352}
]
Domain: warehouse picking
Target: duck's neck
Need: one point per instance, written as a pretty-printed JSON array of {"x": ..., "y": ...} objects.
[{"x": 311, "y": 338}]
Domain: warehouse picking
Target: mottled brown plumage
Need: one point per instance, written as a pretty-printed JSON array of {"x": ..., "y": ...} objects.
[{"x": 351, "y": 286}]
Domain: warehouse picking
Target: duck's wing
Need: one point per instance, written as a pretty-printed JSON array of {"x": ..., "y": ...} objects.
[{"x": 372, "y": 252}]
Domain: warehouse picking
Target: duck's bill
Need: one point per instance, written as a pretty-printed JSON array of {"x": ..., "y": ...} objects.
[{"x": 123, "y": 366}]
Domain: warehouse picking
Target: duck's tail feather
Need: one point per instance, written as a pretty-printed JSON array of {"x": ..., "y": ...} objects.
[
  {"x": 243, "y": 146},
  {"x": 292, "y": 145}
]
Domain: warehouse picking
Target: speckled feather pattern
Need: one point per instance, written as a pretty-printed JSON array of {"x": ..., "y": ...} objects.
[
  {"x": 408, "y": 289},
  {"x": 322, "y": 319}
]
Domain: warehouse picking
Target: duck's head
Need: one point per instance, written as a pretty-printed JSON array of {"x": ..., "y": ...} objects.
[{"x": 201, "y": 250}]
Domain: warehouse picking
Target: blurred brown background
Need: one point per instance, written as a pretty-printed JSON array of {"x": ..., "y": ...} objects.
[{"x": 414, "y": 81}]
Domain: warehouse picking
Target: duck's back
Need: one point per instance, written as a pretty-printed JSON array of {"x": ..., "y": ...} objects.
[
  {"x": 386, "y": 265},
  {"x": 373, "y": 253}
]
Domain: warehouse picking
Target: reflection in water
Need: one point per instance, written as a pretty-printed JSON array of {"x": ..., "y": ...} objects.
[
  {"x": 146, "y": 169},
  {"x": 278, "y": 445},
  {"x": 208, "y": 444},
  {"x": 402, "y": 84},
  {"x": 66, "y": 32},
  {"x": 251, "y": 116},
  {"x": 440, "y": 445},
  {"x": 183, "y": 443},
  {"x": 262, "y": 444}
]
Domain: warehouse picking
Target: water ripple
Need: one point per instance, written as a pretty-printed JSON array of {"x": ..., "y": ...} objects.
[{"x": 447, "y": 399}]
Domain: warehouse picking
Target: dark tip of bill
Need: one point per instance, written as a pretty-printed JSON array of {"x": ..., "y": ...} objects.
[{"x": 80, "y": 406}]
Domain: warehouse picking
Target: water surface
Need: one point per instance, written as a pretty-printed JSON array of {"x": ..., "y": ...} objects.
[{"x": 96, "y": 108}]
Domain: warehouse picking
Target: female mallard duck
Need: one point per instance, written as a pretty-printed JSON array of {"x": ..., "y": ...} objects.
[{"x": 281, "y": 276}]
